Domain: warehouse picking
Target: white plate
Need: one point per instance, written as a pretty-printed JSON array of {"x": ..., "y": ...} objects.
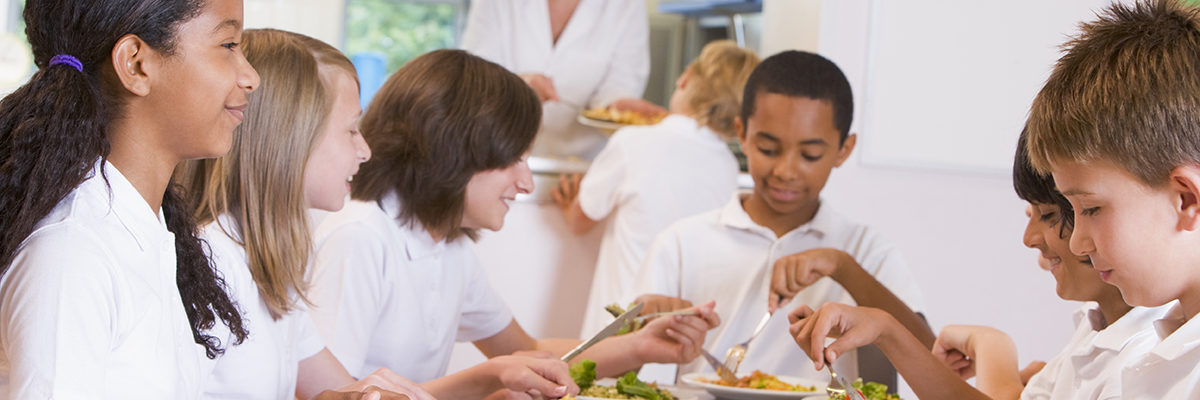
[
  {"x": 728, "y": 392},
  {"x": 608, "y": 127}
]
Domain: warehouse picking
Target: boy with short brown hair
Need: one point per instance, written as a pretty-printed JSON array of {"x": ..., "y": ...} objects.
[{"x": 1118, "y": 126}]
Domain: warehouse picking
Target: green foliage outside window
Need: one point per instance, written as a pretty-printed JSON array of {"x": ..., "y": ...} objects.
[{"x": 400, "y": 30}]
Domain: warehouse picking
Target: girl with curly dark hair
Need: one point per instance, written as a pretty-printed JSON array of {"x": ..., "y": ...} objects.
[{"x": 106, "y": 291}]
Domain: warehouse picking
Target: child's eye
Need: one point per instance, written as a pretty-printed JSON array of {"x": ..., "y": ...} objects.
[
  {"x": 1047, "y": 217},
  {"x": 230, "y": 45},
  {"x": 767, "y": 152},
  {"x": 1087, "y": 212},
  {"x": 811, "y": 157}
]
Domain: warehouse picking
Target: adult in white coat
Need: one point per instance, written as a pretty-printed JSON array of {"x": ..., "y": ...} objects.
[{"x": 575, "y": 54}]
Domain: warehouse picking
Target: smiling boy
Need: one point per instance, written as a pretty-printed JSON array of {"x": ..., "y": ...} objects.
[
  {"x": 774, "y": 246},
  {"x": 1118, "y": 126}
]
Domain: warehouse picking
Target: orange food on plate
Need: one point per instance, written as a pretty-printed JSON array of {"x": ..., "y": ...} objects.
[
  {"x": 622, "y": 116},
  {"x": 760, "y": 380}
]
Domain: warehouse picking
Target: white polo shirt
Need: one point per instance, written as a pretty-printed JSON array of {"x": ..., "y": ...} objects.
[
  {"x": 266, "y": 364},
  {"x": 723, "y": 255},
  {"x": 385, "y": 294},
  {"x": 645, "y": 179},
  {"x": 89, "y": 307},
  {"x": 1171, "y": 370},
  {"x": 1089, "y": 367}
]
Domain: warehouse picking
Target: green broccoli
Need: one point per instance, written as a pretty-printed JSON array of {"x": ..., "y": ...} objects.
[{"x": 584, "y": 373}]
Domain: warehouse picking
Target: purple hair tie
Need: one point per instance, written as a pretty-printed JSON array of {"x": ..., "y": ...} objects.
[{"x": 68, "y": 60}]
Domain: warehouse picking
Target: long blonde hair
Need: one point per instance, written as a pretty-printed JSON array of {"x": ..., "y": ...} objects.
[
  {"x": 259, "y": 184},
  {"x": 716, "y": 79}
]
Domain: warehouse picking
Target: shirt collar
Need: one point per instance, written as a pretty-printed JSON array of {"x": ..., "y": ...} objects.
[
  {"x": 734, "y": 215},
  {"x": 1127, "y": 328},
  {"x": 124, "y": 201},
  {"x": 1179, "y": 335},
  {"x": 680, "y": 124},
  {"x": 419, "y": 242}
]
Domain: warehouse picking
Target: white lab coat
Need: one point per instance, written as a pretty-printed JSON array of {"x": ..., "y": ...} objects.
[{"x": 602, "y": 55}]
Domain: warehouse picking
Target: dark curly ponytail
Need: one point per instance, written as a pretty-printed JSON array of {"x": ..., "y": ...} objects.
[{"x": 55, "y": 127}]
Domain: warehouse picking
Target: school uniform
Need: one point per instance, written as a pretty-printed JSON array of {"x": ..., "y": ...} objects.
[
  {"x": 723, "y": 255},
  {"x": 645, "y": 179},
  {"x": 385, "y": 294},
  {"x": 1169, "y": 370},
  {"x": 1089, "y": 367},
  {"x": 89, "y": 307},
  {"x": 602, "y": 55},
  {"x": 265, "y": 365}
]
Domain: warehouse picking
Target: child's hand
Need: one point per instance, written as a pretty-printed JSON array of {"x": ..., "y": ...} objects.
[
  {"x": 529, "y": 377},
  {"x": 653, "y": 303},
  {"x": 567, "y": 191},
  {"x": 956, "y": 344},
  {"x": 675, "y": 339},
  {"x": 853, "y": 327},
  {"x": 1030, "y": 370},
  {"x": 793, "y": 273}
]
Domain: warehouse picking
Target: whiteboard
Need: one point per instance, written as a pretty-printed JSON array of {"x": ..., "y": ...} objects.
[{"x": 949, "y": 83}]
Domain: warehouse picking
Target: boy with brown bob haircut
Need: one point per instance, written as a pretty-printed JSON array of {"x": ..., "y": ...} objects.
[{"x": 1118, "y": 126}]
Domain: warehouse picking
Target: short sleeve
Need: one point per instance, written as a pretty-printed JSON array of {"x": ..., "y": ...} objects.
[
  {"x": 600, "y": 190},
  {"x": 58, "y": 317},
  {"x": 661, "y": 269},
  {"x": 308, "y": 340},
  {"x": 348, "y": 291},
  {"x": 484, "y": 313}
]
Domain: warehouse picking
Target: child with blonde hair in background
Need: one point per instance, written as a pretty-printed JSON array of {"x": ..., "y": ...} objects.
[{"x": 647, "y": 177}]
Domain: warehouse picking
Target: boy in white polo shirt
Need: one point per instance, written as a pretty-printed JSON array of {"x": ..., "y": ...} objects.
[
  {"x": 1118, "y": 126},
  {"x": 647, "y": 177},
  {"x": 779, "y": 241}
]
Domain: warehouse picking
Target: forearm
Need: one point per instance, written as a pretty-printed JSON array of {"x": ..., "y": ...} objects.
[
  {"x": 471, "y": 383},
  {"x": 923, "y": 372},
  {"x": 613, "y": 356},
  {"x": 319, "y": 373},
  {"x": 996, "y": 370},
  {"x": 868, "y": 292}
]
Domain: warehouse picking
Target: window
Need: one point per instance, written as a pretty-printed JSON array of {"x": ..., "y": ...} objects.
[
  {"x": 381, "y": 35},
  {"x": 16, "y": 60}
]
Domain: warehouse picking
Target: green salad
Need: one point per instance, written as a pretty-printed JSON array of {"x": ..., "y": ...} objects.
[
  {"x": 870, "y": 390},
  {"x": 628, "y": 387}
]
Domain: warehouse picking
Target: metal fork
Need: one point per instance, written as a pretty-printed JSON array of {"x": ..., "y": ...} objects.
[
  {"x": 726, "y": 375},
  {"x": 733, "y": 359},
  {"x": 840, "y": 386}
]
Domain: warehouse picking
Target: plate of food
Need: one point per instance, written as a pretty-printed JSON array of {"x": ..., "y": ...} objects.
[
  {"x": 610, "y": 119},
  {"x": 870, "y": 390},
  {"x": 757, "y": 386}
]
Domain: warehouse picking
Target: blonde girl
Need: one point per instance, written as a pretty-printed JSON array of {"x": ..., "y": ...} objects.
[
  {"x": 297, "y": 149},
  {"x": 106, "y": 291},
  {"x": 648, "y": 177}
]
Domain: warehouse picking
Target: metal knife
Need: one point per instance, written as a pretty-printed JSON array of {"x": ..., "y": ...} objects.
[{"x": 609, "y": 330}]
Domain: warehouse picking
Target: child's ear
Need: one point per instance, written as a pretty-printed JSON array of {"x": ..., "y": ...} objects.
[
  {"x": 130, "y": 57},
  {"x": 682, "y": 82},
  {"x": 1185, "y": 184},
  {"x": 845, "y": 150}
]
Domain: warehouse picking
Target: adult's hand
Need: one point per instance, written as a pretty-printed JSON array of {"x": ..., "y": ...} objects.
[{"x": 542, "y": 85}]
